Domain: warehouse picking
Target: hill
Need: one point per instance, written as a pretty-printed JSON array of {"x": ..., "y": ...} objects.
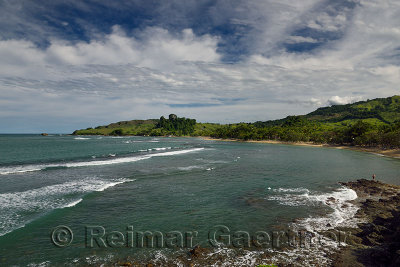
[
  {"x": 379, "y": 110},
  {"x": 153, "y": 127},
  {"x": 386, "y": 110},
  {"x": 132, "y": 127},
  {"x": 374, "y": 123}
]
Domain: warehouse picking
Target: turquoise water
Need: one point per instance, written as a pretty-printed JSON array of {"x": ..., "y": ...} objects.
[{"x": 162, "y": 184}]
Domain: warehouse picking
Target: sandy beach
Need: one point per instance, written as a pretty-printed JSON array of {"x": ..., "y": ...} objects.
[{"x": 391, "y": 153}]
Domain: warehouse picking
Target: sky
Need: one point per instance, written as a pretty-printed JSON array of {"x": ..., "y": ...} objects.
[{"x": 67, "y": 64}]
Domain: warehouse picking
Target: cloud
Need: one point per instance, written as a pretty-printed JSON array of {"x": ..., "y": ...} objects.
[
  {"x": 337, "y": 100},
  {"x": 300, "y": 39},
  {"x": 157, "y": 48},
  {"x": 235, "y": 67}
]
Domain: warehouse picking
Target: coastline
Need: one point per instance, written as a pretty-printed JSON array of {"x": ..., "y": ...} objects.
[
  {"x": 375, "y": 240},
  {"x": 390, "y": 153}
]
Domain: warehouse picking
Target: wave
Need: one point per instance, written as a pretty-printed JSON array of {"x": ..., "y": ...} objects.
[
  {"x": 292, "y": 190},
  {"x": 81, "y": 138},
  {"x": 188, "y": 168},
  {"x": 31, "y": 168},
  {"x": 37, "y": 201},
  {"x": 72, "y": 204},
  {"x": 342, "y": 214},
  {"x": 343, "y": 210},
  {"x": 160, "y": 148}
]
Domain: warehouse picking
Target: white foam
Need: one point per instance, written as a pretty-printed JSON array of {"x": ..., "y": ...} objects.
[
  {"x": 188, "y": 168},
  {"x": 81, "y": 138},
  {"x": 377, "y": 154},
  {"x": 30, "y": 168},
  {"x": 72, "y": 204},
  {"x": 33, "y": 202},
  {"x": 342, "y": 210},
  {"x": 161, "y": 148},
  {"x": 292, "y": 190}
]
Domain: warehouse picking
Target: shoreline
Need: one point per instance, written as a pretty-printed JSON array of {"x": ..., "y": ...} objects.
[
  {"x": 375, "y": 240},
  {"x": 390, "y": 153}
]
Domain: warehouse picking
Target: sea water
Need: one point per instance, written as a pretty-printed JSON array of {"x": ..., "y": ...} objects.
[{"x": 132, "y": 185}]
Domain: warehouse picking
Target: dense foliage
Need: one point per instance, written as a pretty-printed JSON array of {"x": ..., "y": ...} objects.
[
  {"x": 359, "y": 132},
  {"x": 366, "y": 123},
  {"x": 176, "y": 126}
]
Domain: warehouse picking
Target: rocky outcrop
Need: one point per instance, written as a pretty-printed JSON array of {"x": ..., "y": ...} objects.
[{"x": 376, "y": 242}]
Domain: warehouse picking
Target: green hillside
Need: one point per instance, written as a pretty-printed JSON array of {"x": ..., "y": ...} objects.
[
  {"x": 153, "y": 127},
  {"x": 133, "y": 127},
  {"x": 374, "y": 123},
  {"x": 386, "y": 110},
  {"x": 378, "y": 111}
]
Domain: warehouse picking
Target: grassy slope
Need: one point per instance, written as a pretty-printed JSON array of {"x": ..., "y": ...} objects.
[
  {"x": 141, "y": 127},
  {"x": 380, "y": 111},
  {"x": 383, "y": 110},
  {"x": 133, "y": 127}
]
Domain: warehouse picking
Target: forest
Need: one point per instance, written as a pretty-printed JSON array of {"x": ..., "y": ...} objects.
[{"x": 371, "y": 123}]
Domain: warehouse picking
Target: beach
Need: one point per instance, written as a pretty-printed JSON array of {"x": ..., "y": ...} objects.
[{"x": 392, "y": 153}]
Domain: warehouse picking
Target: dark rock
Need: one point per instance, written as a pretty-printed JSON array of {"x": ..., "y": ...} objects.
[
  {"x": 376, "y": 242},
  {"x": 198, "y": 251}
]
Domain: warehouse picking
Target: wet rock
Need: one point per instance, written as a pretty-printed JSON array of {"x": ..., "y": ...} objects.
[
  {"x": 376, "y": 242},
  {"x": 330, "y": 200},
  {"x": 198, "y": 251}
]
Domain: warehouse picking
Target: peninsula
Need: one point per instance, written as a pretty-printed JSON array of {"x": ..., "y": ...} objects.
[{"x": 372, "y": 124}]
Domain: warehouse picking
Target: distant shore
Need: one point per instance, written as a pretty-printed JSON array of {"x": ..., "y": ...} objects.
[{"x": 391, "y": 153}]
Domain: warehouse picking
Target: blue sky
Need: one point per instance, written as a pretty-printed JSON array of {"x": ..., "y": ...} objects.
[{"x": 76, "y": 64}]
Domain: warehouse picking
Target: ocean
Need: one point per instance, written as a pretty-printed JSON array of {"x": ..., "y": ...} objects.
[{"x": 88, "y": 200}]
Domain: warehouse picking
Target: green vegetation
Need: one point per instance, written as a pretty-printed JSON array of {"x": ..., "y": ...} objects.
[
  {"x": 374, "y": 123},
  {"x": 175, "y": 126},
  {"x": 172, "y": 126},
  {"x": 134, "y": 127}
]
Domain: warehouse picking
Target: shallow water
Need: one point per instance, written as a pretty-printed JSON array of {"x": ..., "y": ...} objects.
[{"x": 138, "y": 184}]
